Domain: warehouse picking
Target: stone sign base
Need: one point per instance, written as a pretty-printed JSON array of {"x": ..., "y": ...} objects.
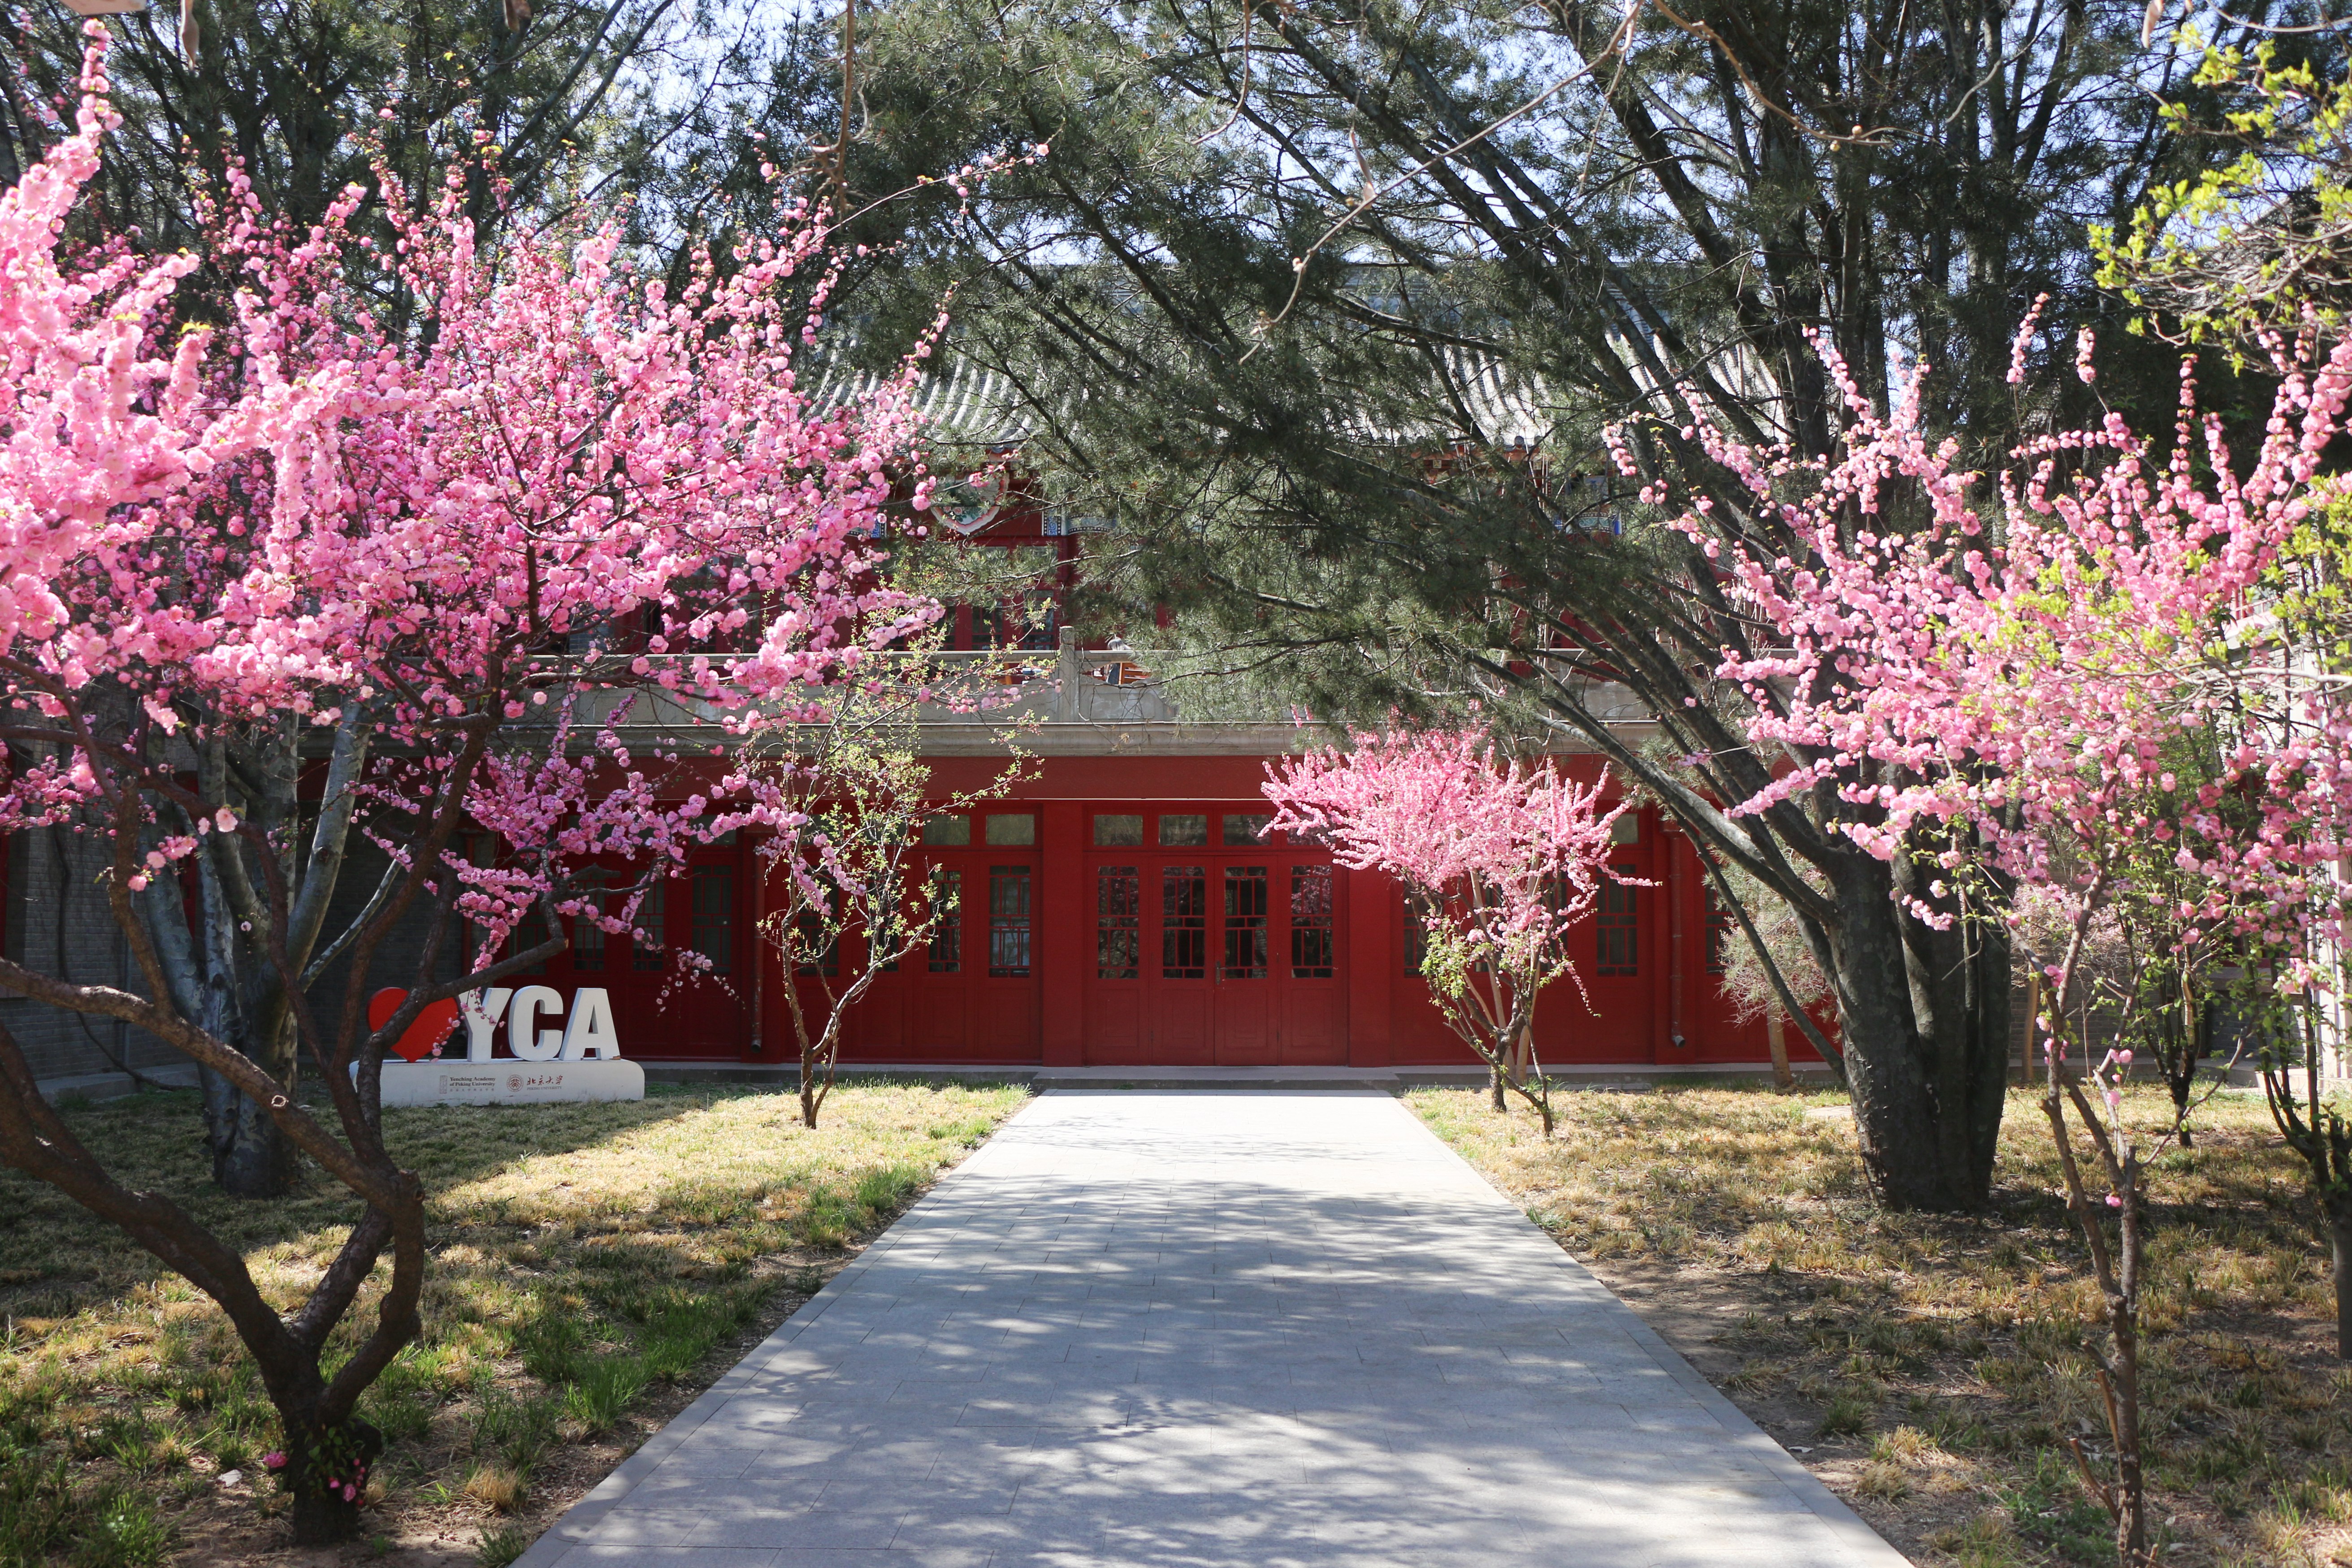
[{"x": 510, "y": 1082}]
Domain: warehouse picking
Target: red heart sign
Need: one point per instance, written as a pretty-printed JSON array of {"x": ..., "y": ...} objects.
[{"x": 423, "y": 1037}]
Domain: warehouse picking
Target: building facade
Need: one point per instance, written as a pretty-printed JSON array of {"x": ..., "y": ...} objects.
[{"x": 1122, "y": 902}]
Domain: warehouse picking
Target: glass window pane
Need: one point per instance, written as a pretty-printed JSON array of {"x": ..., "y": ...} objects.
[
  {"x": 1245, "y": 828},
  {"x": 1720, "y": 925},
  {"x": 1008, "y": 922},
  {"x": 714, "y": 915},
  {"x": 815, "y": 942},
  {"x": 529, "y": 932},
  {"x": 1615, "y": 936},
  {"x": 948, "y": 831},
  {"x": 1185, "y": 831},
  {"x": 1183, "y": 923},
  {"x": 1118, "y": 922},
  {"x": 1119, "y": 832},
  {"x": 587, "y": 936},
  {"x": 653, "y": 914},
  {"x": 1010, "y": 832},
  {"x": 1312, "y": 947},
  {"x": 947, "y": 937},
  {"x": 1245, "y": 921}
]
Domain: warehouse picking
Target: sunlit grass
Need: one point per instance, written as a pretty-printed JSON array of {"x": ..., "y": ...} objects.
[
  {"x": 583, "y": 1256},
  {"x": 1946, "y": 1354}
]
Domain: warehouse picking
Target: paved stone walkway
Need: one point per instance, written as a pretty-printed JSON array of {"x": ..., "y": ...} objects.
[{"x": 1199, "y": 1329}]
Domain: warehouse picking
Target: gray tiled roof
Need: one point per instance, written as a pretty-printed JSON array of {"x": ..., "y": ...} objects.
[{"x": 969, "y": 403}]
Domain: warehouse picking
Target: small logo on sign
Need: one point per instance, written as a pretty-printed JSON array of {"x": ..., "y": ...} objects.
[{"x": 514, "y": 1081}]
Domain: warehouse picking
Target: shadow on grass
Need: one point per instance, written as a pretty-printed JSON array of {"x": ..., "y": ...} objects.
[
  {"x": 584, "y": 1257},
  {"x": 54, "y": 1260},
  {"x": 1926, "y": 1356}
]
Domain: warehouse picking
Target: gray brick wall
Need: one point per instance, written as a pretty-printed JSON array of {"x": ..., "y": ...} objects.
[{"x": 57, "y": 923}]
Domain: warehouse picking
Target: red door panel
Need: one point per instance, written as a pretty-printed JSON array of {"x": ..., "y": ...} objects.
[
  {"x": 662, "y": 1010},
  {"x": 1309, "y": 1032},
  {"x": 1113, "y": 985},
  {"x": 1177, "y": 1029},
  {"x": 1210, "y": 945},
  {"x": 1243, "y": 994}
]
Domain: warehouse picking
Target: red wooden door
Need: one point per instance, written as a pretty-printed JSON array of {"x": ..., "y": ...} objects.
[
  {"x": 1242, "y": 1010},
  {"x": 1007, "y": 987},
  {"x": 970, "y": 993},
  {"x": 1112, "y": 987},
  {"x": 1311, "y": 1031},
  {"x": 1210, "y": 944},
  {"x": 1615, "y": 949},
  {"x": 1179, "y": 982},
  {"x": 662, "y": 1010}
]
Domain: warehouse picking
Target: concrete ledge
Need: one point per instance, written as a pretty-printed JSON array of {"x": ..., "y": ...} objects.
[{"x": 116, "y": 1085}]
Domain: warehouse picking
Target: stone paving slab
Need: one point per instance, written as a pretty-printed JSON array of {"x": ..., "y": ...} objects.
[{"x": 1209, "y": 1329}]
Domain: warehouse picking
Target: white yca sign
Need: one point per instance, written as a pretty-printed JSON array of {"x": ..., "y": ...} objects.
[
  {"x": 579, "y": 1061},
  {"x": 587, "y": 1033}
]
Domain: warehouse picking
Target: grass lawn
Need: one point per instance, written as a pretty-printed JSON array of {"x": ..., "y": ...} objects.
[
  {"x": 593, "y": 1267},
  {"x": 1929, "y": 1368}
]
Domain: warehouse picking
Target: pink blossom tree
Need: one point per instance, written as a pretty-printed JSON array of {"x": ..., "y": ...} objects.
[
  {"x": 2021, "y": 673},
  {"x": 1500, "y": 858},
  {"x": 277, "y": 590}
]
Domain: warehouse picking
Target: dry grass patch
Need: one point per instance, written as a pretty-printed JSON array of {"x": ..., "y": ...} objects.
[
  {"x": 594, "y": 1266},
  {"x": 1931, "y": 1368}
]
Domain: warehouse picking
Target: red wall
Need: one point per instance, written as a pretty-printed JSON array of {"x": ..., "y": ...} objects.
[
  {"x": 1372, "y": 1011},
  {"x": 1064, "y": 954}
]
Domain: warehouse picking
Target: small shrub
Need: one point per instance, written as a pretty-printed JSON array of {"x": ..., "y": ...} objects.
[
  {"x": 37, "y": 1507},
  {"x": 1849, "y": 1414},
  {"x": 229, "y": 1449},
  {"x": 495, "y": 1486},
  {"x": 1882, "y": 1480},
  {"x": 128, "y": 1440},
  {"x": 1904, "y": 1445},
  {"x": 681, "y": 1326},
  {"x": 887, "y": 1189},
  {"x": 501, "y": 1545},
  {"x": 124, "y": 1532},
  {"x": 171, "y": 1450},
  {"x": 401, "y": 1414},
  {"x": 1985, "y": 1542},
  {"x": 604, "y": 1391},
  {"x": 827, "y": 1221},
  {"x": 551, "y": 1345},
  {"x": 516, "y": 1430},
  {"x": 2049, "y": 1509}
]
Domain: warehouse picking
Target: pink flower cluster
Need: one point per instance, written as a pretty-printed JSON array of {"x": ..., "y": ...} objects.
[
  {"x": 1998, "y": 677},
  {"x": 309, "y": 515},
  {"x": 1508, "y": 854}
]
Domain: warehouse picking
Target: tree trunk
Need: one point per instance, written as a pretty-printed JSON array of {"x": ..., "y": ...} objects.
[
  {"x": 2339, "y": 1236},
  {"x": 319, "y": 1466},
  {"x": 1494, "y": 1089},
  {"x": 1924, "y": 1016},
  {"x": 251, "y": 1158},
  {"x": 1777, "y": 1041},
  {"x": 2123, "y": 1316}
]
